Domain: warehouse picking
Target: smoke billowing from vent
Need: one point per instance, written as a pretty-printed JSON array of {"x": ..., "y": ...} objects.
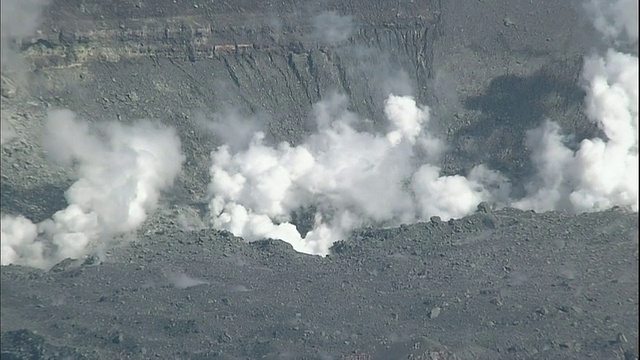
[
  {"x": 121, "y": 171},
  {"x": 351, "y": 178},
  {"x": 615, "y": 19},
  {"x": 603, "y": 172},
  {"x": 346, "y": 177}
]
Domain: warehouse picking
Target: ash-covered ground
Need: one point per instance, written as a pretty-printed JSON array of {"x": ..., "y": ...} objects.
[{"x": 335, "y": 180}]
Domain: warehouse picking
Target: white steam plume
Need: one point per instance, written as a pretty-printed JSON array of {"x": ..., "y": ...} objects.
[
  {"x": 20, "y": 18},
  {"x": 121, "y": 171},
  {"x": 354, "y": 178},
  {"x": 351, "y": 178},
  {"x": 332, "y": 28},
  {"x": 602, "y": 173},
  {"x": 615, "y": 19}
]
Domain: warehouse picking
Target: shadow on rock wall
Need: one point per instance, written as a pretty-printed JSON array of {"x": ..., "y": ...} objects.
[{"x": 510, "y": 106}]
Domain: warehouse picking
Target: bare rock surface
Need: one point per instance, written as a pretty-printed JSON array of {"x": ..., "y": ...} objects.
[
  {"x": 521, "y": 286},
  {"x": 505, "y": 284}
]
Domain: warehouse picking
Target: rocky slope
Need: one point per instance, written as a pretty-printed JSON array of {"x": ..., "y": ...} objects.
[{"x": 503, "y": 285}]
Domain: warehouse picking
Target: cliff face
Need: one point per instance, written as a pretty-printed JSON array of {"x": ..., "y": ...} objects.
[
  {"x": 279, "y": 49},
  {"x": 195, "y": 32},
  {"x": 488, "y": 72},
  {"x": 181, "y": 62}
]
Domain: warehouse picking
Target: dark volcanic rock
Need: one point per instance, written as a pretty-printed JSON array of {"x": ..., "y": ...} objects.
[
  {"x": 26, "y": 345},
  {"x": 561, "y": 278},
  {"x": 498, "y": 284}
]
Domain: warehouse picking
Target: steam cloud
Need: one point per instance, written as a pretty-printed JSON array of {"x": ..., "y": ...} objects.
[
  {"x": 347, "y": 177},
  {"x": 352, "y": 178},
  {"x": 20, "y": 18},
  {"x": 121, "y": 171},
  {"x": 603, "y": 172},
  {"x": 615, "y": 19}
]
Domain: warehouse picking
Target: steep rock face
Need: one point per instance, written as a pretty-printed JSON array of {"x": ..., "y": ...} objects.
[
  {"x": 489, "y": 72},
  {"x": 170, "y": 60},
  {"x": 282, "y": 56},
  {"x": 181, "y": 64}
]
